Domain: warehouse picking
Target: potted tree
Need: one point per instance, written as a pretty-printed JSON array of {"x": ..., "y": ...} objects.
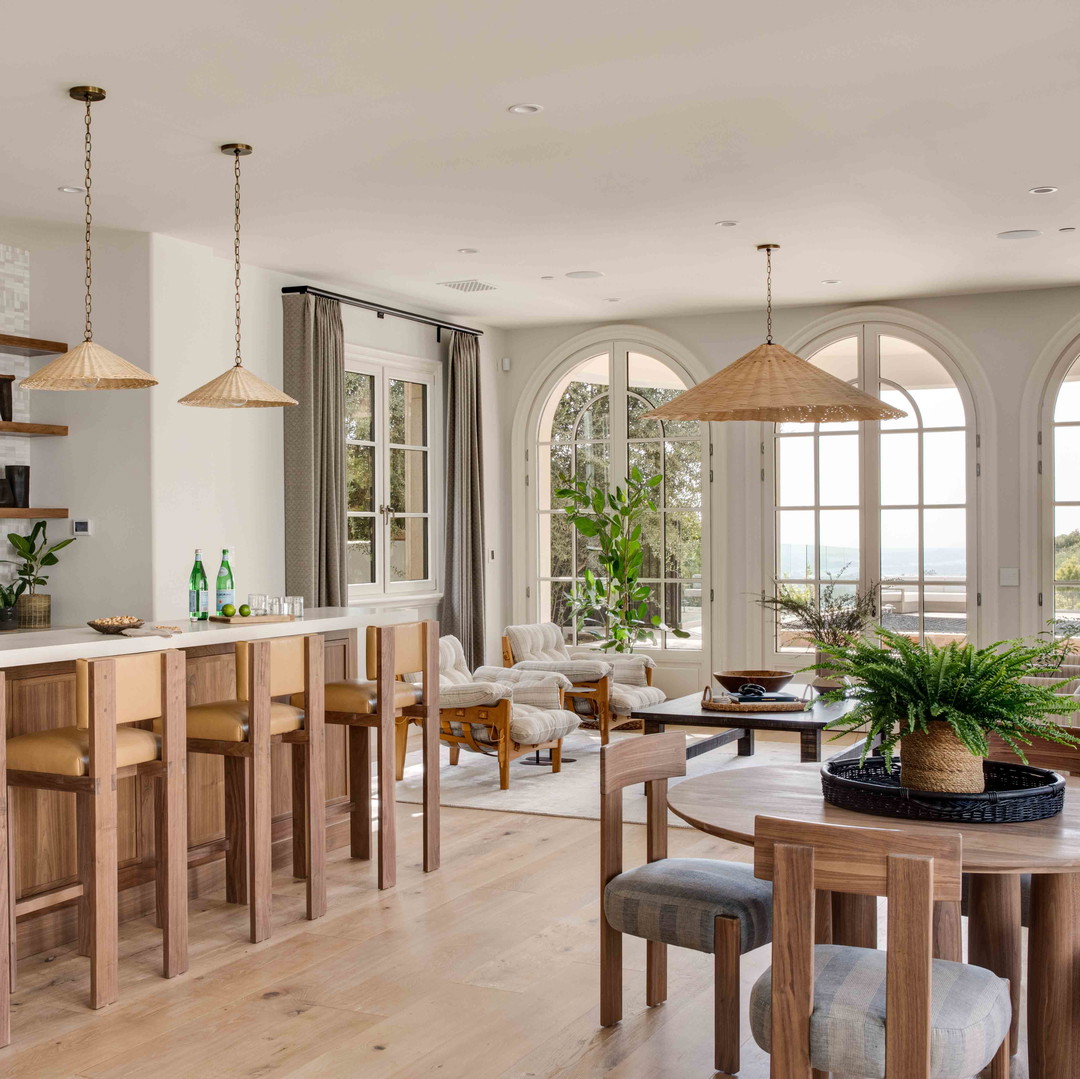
[
  {"x": 942, "y": 703},
  {"x": 35, "y": 554}
]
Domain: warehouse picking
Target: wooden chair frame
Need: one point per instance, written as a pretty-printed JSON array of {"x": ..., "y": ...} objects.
[
  {"x": 914, "y": 870},
  {"x": 496, "y": 717},
  {"x": 653, "y": 761},
  {"x": 248, "y": 808},
  {"x": 596, "y": 694},
  {"x": 391, "y": 727},
  {"x": 96, "y": 890}
]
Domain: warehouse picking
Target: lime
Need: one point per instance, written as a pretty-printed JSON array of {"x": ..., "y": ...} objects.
[
  {"x": 245, "y": 610},
  {"x": 228, "y": 610}
]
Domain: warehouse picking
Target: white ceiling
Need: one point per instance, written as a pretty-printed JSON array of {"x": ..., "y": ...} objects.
[{"x": 882, "y": 144}]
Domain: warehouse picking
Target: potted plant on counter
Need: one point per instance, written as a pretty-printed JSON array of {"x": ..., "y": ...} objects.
[
  {"x": 9, "y": 615},
  {"x": 35, "y": 554},
  {"x": 942, "y": 703}
]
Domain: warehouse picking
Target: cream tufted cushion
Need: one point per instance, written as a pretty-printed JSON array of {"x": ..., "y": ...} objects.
[
  {"x": 625, "y": 699},
  {"x": 542, "y": 640}
]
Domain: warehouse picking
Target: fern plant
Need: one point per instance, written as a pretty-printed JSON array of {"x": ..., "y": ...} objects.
[{"x": 901, "y": 687}]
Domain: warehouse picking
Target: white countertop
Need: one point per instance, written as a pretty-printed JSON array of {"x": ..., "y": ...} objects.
[{"x": 23, "y": 647}]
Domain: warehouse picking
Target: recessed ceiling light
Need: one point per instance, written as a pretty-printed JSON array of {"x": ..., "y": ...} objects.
[
  {"x": 72, "y": 190},
  {"x": 525, "y": 109},
  {"x": 613, "y": 299},
  {"x": 467, "y": 251},
  {"x": 830, "y": 281},
  {"x": 1042, "y": 190},
  {"x": 584, "y": 273},
  {"x": 1019, "y": 234},
  {"x": 727, "y": 224},
  {"x": 547, "y": 277},
  {"x": 1068, "y": 228}
]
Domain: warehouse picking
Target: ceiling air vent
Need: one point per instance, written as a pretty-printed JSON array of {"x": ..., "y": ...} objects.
[{"x": 469, "y": 286}]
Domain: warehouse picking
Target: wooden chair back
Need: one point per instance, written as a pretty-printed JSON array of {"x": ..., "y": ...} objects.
[
  {"x": 125, "y": 689},
  {"x": 652, "y": 759},
  {"x": 403, "y": 647},
  {"x": 288, "y": 672},
  {"x": 911, "y": 869}
]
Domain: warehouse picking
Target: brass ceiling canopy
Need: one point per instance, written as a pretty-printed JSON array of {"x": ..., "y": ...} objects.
[
  {"x": 88, "y": 366},
  {"x": 237, "y": 387},
  {"x": 772, "y": 384}
]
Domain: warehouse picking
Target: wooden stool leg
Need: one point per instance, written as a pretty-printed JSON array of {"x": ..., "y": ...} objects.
[
  {"x": 401, "y": 746},
  {"x": 359, "y": 748},
  {"x": 148, "y": 794},
  {"x": 727, "y": 947},
  {"x": 655, "y": 973},
  {"x": 13, "y": 895},
  {"x": 104, "y": 916},
  {"x": 7, "y": 896},
  {"x": 387, "y": 821},
  {"x": 260, "y": 815},
  {"x": 172, "y": 866},
  {"x": 315, "y": 788},
  {"x": 84, "y": 858},
  {"x": 299, "y": 810},
  {"x": 430, "y": 732},
  {"x": 610, "y": 974},
  {"x": 236, "y": 814}
]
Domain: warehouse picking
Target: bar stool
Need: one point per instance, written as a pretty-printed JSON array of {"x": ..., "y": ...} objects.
[
  {"x": 242, "y": 731},
  {"x": 111, "y": 695},
  {"x": 386, "y": 702}
]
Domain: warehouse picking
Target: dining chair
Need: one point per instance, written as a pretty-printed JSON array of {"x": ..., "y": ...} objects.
[
  {"x": 699, "y": 903},
  {"x": 112, "y": 695},
  {"x": 855, "y": 1012},
  {"x": 388, "y": 700},
  {"x": 242, "y": 731}
]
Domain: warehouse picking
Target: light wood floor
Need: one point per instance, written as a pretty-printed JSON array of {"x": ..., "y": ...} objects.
[{"x": 486, "y": 969}]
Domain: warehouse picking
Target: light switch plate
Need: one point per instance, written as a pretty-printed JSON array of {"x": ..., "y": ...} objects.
[{"x": 1009, "y": 576}]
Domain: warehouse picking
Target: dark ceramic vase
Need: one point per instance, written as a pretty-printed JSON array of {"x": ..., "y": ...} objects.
[
  {"x": 9, "y": 618},
  {"x": 6, "y": 382},
  {"x": 6, "y": 497},
  {"x": 18, "y": 476}
]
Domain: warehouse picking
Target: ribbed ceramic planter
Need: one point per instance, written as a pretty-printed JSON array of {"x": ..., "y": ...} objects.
[
  {"x": 35, "y": 612},
  {"x": 936, "y": 760}
]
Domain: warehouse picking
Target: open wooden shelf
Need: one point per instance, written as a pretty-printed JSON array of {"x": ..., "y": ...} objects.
[
  {"x": 30, "y": 346},
  {"x": 32, "y": 430},
  {"x": 19, "y": 513}
]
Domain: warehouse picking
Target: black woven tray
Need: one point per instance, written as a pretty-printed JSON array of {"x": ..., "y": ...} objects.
[{"x": 1014, "y": 793}]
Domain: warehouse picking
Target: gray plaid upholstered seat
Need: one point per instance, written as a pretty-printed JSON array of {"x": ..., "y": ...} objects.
[
  {"x": 969, "y": 1015},
  {"x": 676, "y": 901}
]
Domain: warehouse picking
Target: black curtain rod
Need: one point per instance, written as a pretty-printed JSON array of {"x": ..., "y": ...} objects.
[{"x": 381, "y": 310}]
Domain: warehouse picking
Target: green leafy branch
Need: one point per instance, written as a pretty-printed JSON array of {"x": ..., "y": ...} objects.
[{"x": 34, "y": 556}]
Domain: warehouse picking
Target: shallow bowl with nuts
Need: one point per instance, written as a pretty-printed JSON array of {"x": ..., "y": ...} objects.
[{"x": 116, "y": 624}]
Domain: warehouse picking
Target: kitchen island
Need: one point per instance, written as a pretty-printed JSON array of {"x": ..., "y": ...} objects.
[{"x": 40, "y": 670}]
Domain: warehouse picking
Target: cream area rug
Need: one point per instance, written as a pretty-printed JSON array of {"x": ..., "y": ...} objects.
[{"x": 575, "y": 791}]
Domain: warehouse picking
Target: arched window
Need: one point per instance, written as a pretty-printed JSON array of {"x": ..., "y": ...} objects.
[
  {"x": 1063, "y": 555},
  {"x": 592, "y": 427},
  {"x": 890, "y": 502}
]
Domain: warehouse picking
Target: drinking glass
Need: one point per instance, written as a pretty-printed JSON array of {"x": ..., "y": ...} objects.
[
  {"x": 274, "y": 605},
  {"x": 294, "y": 605},
  {"x": 257, "y": 602}
]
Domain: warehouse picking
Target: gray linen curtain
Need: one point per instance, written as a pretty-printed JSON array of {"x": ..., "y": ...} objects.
[
  {"x": 314, "y": 373},
  {"x": 462, "y": 610}
]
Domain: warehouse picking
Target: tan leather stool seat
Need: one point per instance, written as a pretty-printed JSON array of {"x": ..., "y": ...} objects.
[
  {"x": 227, "y": 721},
  {"x": 65, "y": 751},
  {"x": 362, "y": 698}
]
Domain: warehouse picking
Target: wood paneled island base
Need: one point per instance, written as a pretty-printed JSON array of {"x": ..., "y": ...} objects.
[{"x": 42, "y": 695}]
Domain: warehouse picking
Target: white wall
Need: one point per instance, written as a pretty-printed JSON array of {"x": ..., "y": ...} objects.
[{"x": 1000, "y": 337}]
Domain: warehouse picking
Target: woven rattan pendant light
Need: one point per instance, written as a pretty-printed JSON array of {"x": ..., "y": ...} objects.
[
  {"x": 88, "y": 366},
  {"x": 237, "y": 387},
  {"x": 770, "y": 383}
]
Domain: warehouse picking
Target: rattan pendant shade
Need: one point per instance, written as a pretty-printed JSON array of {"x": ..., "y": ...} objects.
[
  {"x": 237, "y": 388},
  {"x": 772, "y": 384}
]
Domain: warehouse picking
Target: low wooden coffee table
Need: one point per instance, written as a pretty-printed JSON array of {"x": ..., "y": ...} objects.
[{"x": 740, "y": 726}]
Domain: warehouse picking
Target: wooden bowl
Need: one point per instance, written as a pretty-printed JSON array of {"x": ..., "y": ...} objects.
[
  {"x": 772, "y": 681},
  {"x": 114, "y": 627}
]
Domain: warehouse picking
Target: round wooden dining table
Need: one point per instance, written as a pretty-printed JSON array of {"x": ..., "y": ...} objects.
[{"x": 725, "y": 804}]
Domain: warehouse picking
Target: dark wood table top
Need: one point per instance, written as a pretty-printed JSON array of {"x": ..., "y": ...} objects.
[
  {"x": 688, "y": 710},
  {"x": 725, "y": 804}
]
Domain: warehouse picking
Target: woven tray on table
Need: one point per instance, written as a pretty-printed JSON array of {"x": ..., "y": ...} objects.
[
  {"x": 1014, "y": 793},
  {"x": 725, "y": 704}
]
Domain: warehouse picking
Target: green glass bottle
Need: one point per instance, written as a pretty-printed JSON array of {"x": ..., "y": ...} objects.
[
  {"x": 226, "y": 590},
  {"x": 198, "y": 591}
]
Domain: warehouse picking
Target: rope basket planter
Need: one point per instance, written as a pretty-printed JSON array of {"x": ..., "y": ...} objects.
[
  {"x": 1013, "y": 793},
  {"x": 35, "y": 611},
  {"x": 936, "y": 760}
]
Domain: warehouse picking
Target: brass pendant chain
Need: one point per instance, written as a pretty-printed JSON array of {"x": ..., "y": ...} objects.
[
  {"x": 88, "y": 331},
  {"x": 236, "y": 249},
  {"x": 768, "y": 295}
]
